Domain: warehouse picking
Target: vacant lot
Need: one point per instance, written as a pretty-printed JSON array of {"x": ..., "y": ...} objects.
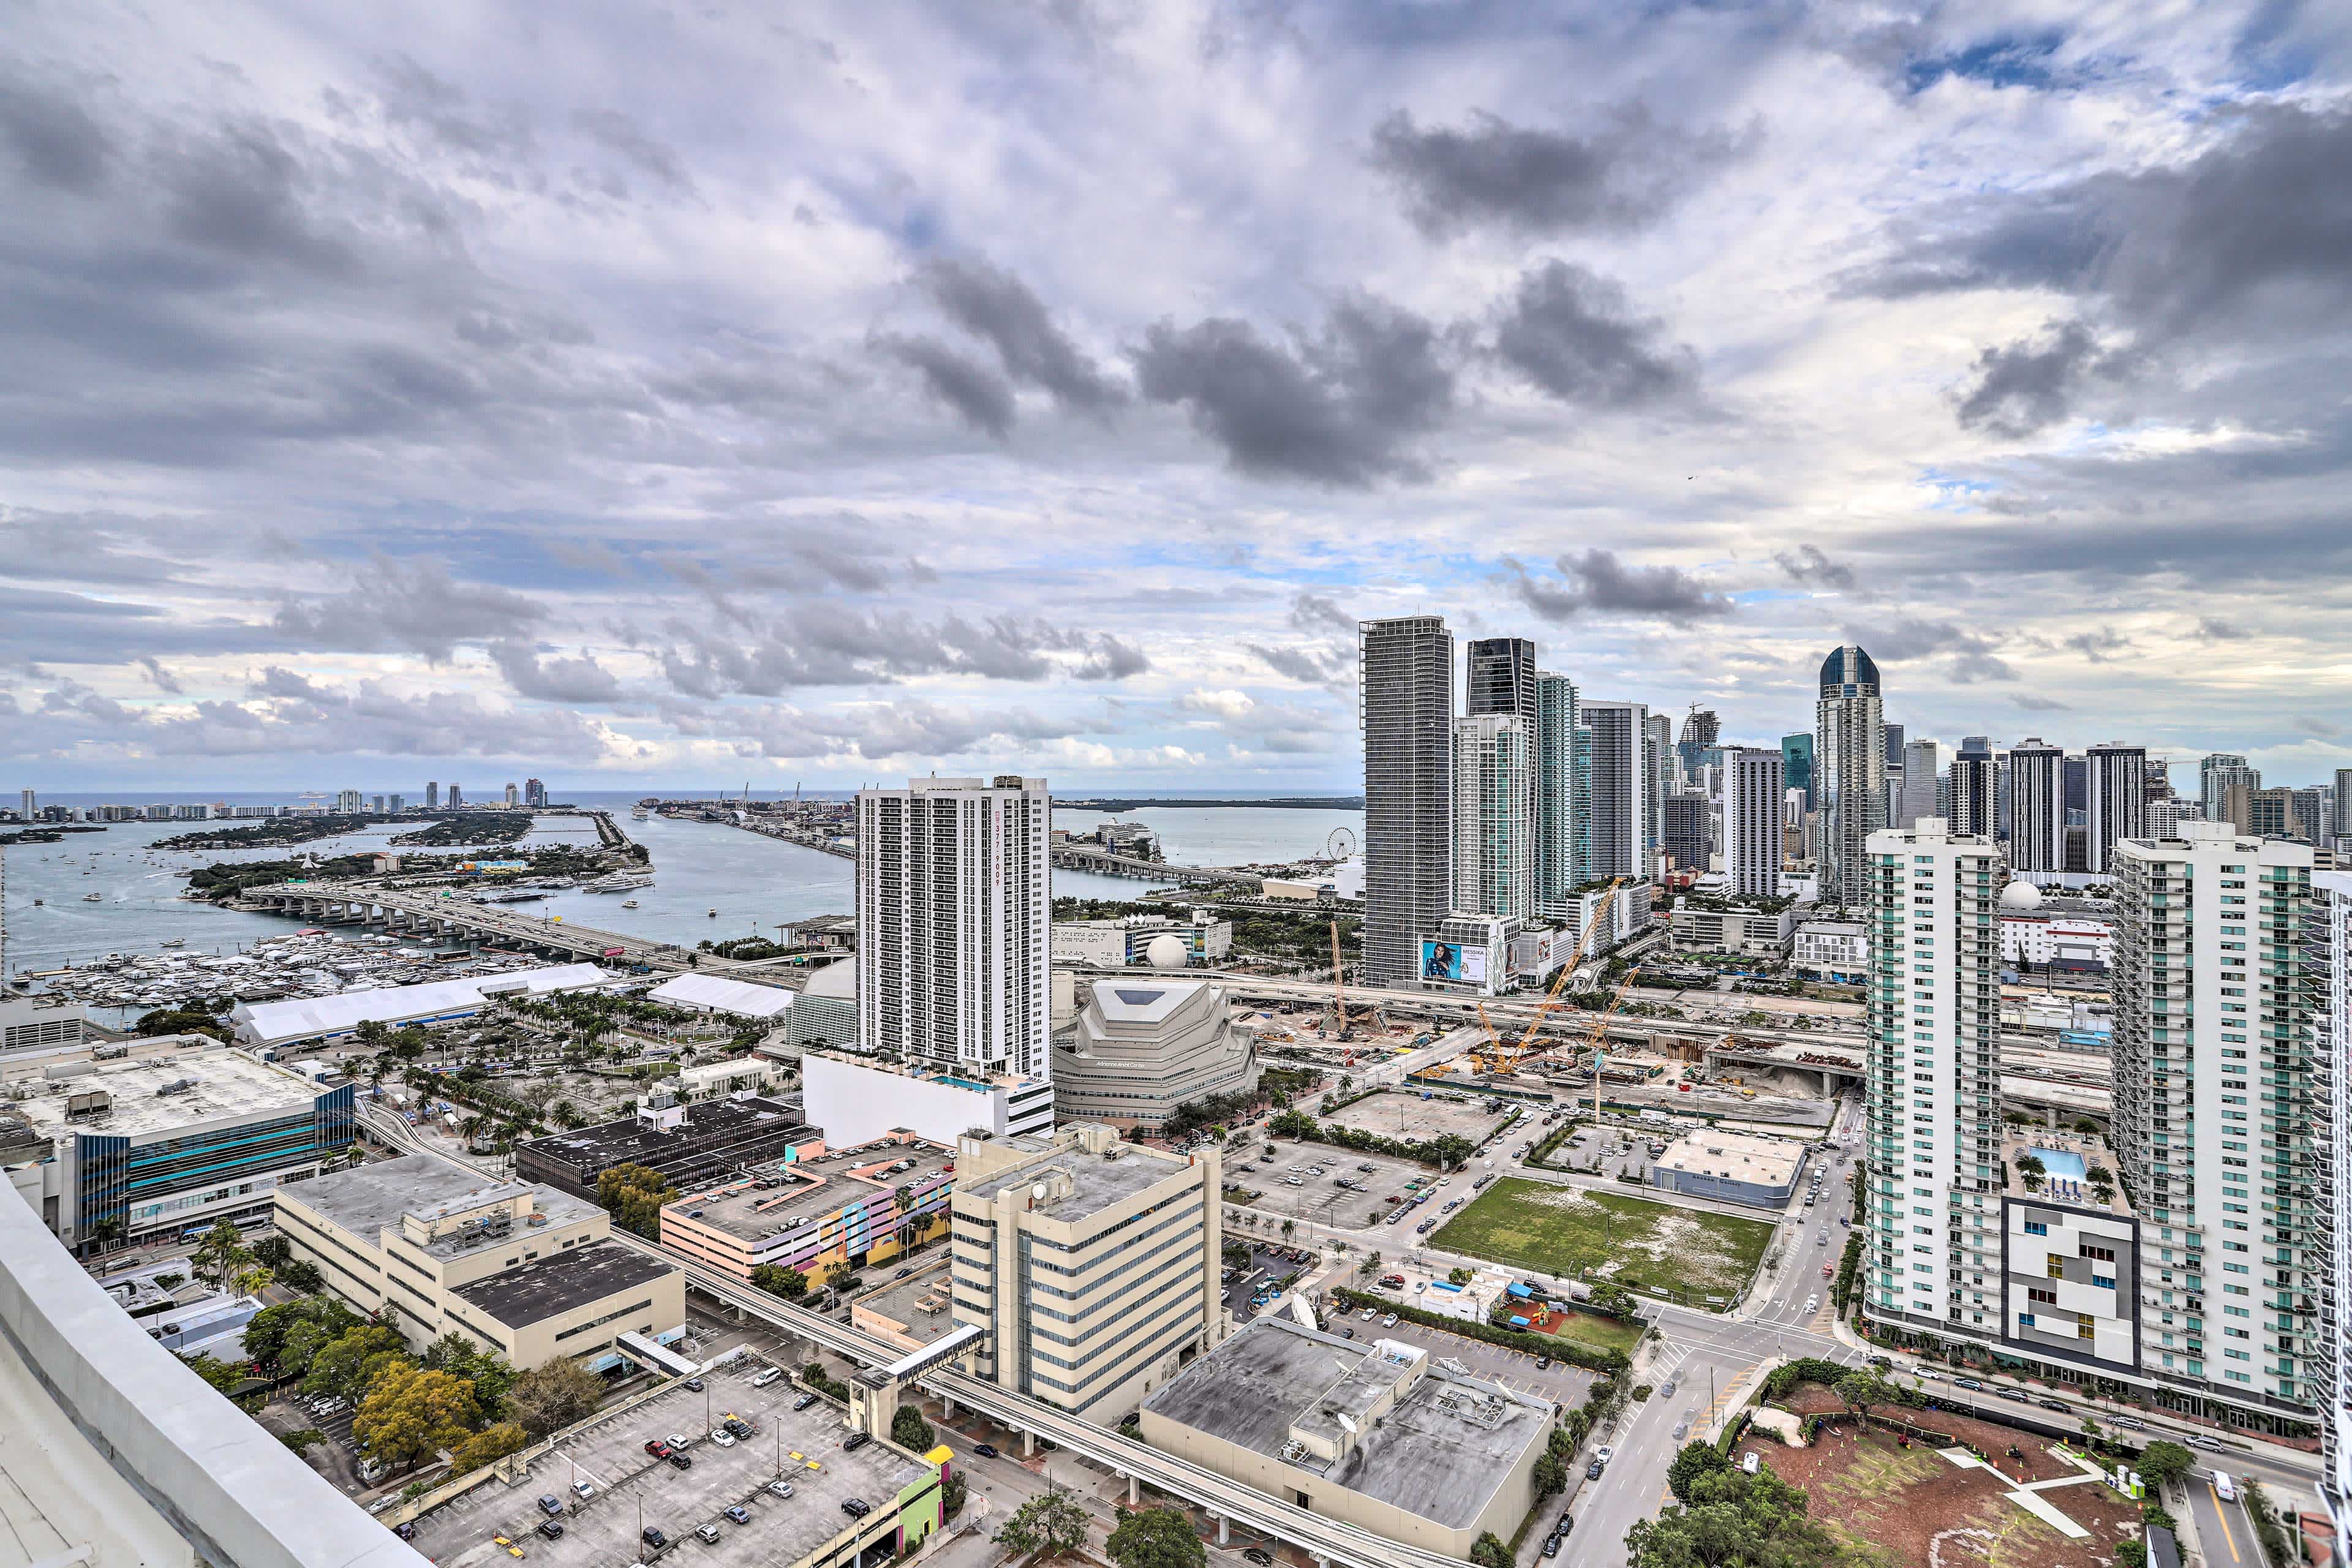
[
  {"x": 1397, "y": 1113},
  {"x": 1909, "y": 1508},
  {"x": 1577, "y": 1235}
]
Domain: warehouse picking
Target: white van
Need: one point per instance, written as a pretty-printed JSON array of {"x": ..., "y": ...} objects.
[{"x": 2224, "y": 1487}]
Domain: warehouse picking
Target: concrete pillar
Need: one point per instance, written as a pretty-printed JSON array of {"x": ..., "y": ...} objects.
[
  {"x": 1225, "y": 1530},
  {"x": 1134, "y": 1493},
  {"x": 946, "y": 1406},
  {"x": 1028, "y": 1444},
  {"x": 2050, "y": 1115}
]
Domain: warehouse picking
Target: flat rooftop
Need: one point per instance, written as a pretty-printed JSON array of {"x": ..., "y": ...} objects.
[
  {"x": 602, "y": 1531},
  {"x": 1099, "y": 1180},
  {"x": 1440, "y": 1452},
  {"x": 610, "y": 1144},
  {"x": 2067, "y": 1157},
  {"x": 808, "y": 1189},
  {"x": 1735, "y": 1156},
  {"x": 902, "y": 1301},
  {"x": 222, "y": 1082},
  {"x": 368, "y": 1200},
  {"x": 556, "y": 1285}
]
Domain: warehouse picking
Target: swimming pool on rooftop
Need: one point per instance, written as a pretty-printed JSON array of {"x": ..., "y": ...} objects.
[{"x": 2064, "y": 1163}]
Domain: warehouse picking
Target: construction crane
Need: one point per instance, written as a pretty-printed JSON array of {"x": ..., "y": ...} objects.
[
  {"x": 1339, "y": 983},
  {"x": 1501, "y": 1058},
  {"x": 1592, "y": 1039}
]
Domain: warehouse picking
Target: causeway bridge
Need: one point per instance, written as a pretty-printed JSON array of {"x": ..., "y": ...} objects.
[{"x": 427, "y": 913}]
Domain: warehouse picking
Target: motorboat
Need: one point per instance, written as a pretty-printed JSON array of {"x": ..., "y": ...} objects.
[
  {"x": 712, "y": 914},
  {"x": 100, "y": 897},
  {"x": 628, "y": 903}
]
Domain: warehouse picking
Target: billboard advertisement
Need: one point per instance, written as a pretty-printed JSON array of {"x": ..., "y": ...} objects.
[{"x": 1453, "y": 960}]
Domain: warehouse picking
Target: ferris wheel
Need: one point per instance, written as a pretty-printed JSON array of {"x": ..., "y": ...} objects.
[{"x": 1341, "y": 845}]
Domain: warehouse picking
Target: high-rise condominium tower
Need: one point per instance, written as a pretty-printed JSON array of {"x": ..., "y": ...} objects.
[
  {"x": 1752, "y": 800},
  {"x": 1494, "y": 855},
  {"x": 955, "y": 923},
  {"x": 1933, "y": 1213},
  {"x": 2037, "y": 834},
  {"x": 2213, "y": 1098},
  {"x": 28, "y": 805},
  {"x": 2115, "y": 796},
  {"x": 1659, "y": 766},
  {"x": 1797, "y": 763},
  {"x": 1849, "y": 771},
  {"x": 2328, "y": 1027},
  {"x": 1688, "y": 835},
  {"x": 432, "y": 795},
  {"x": 1618, "y": 791},
  {"x": 1922, "y": 768},
  {"x": 1556, "y": 802},
  {"x": 1973, "y": 781},
  {"x": 1702, "y": 728},
  {"x": 1404, "y": 705},
  {"x": 1502, "y": 678},
  {"x": 2215, "y": 774}
]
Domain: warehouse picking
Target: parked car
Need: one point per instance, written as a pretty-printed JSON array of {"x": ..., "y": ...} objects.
[
  {"x": 652, "y": 1536},
  {"x": 987, "y": 1450},
  {"x": 767, "y": 1377},
  {"x": 1259, "y": 1555},
  {"x": 1551, "y": 1546},
  {"x": 550, "y": 1505},
  {"x": 1390, "y": 1321},
  {"x": 805, "y": 1401},
  {"x": 856, "y": 1441},
  {"x": 780, "y": 1488},
  {"x": 709, "y": 1532},
  {"x": 680, "y": 1462},
  {"x": 723, "y": 1437},
  {"x": 1592, "y": 1471},
  {"x": 658, "y": 1448},
  {"x": 1604, "y": 1453},
  {"x": 738, "y": 1513},
  {"x": 694, "y": 1384},
  {"x": 552, "y": 1529},
  {"x": 676, "y": 1440},
  {"x": 856, "y": 1507},
  {"x": 584, "y": 1491}
]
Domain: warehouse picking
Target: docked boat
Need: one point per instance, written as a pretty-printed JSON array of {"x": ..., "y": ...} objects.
[{"x": 618, "y": 882}]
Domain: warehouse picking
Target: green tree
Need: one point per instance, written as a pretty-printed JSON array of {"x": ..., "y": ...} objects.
[
  {"x": 1488, "y": 1550},
  {"x": 1459, "y": 1276},
  {"x": 551, "y": 1397},
  {"x": 1550, "y": 1475},
  {"x": 2162, "y": 1463},
  {"x": 487, "y": 1446},
  {"x": 221, "y": 1255},
  {"x": 219, "y": 1374},
  {"x": 302, "y": 1442},
  {"x": 910, "y": 1431},
  {"x": 409, "y": 1412},
  {"x": 1696, "y": 1459},
  {"x": 634, "y": 1197},
  {"x": 486, "y": 1370},
  {"x": 1862, "y": 1388},
  {"x": 952, "y": 1494},
  {"x": 1156, "y": 1538},
  {"x": 1733, "y": 1521},
  {"x": 347, "y": 1365},
  {"x": 298, "y": 1274},
  {"x": 778, "y": 1281},
  {"x": 270, "y": 1335},
  {"x": 1047, "y": 1526}
]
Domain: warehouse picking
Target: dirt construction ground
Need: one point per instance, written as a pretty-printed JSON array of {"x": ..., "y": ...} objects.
[
  {"x": 1397, "y": 1114},
  {"x": 1909, "y": 1508}
]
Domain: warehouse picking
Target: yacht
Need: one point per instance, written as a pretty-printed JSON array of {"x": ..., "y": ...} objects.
[
  {"x": 100, "y": 898},
  {"x": 173, "y": 941},
  {"x": 618, "y": 882},
  {"x": 628, "y": 903},
  {"x": 712, "y": 914}
]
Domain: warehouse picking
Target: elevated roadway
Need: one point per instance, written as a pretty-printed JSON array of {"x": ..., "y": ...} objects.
[{"x": 427, "y": 912}]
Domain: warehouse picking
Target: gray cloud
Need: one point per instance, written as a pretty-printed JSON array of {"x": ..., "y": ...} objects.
[
  {"x": 1622, "y": 177},
  {"x": 550, "y": 680},
  {"x": 163, "y": 679},
  {"x": 52, "y": 138},
  {"x": 619, "y": 134},
  {"x": 1572, "y": 333},
  {"x": 880, "y": 731},
  {"x": 1972, "y": 656},
  {"x": 976, "y": 395},
  {"x": 2100, "y": 645},
  {"x": 1301, "y": 664},
  {"x": 408, "y": 605},
  {"x": 1595, "y": 581},
  {"x": 1807, "y": 566},
  {"x": 2213, "y": 628},
  {"x": 1318, "y": 612},
  {"x": 1344, "y": 407},
  {"x": 1110, "y": 659},
  {"x": 825, "y": 643},
  {"x": 2034, "y": 704},
  {"x": 992, "y": 304},
  {"x": 2031, "y": 383}
]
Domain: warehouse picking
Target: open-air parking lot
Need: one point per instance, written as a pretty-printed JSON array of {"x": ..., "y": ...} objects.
[
  {"x": 1268, "y": 1265},
  {"x": 1404, "y": 1114},
  {"x": 610, "y": 1490},
  {"x": 1367, "y": 1199}
]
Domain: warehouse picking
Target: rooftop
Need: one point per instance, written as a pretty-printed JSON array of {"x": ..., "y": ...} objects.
[
  {"x": 740, "y": 997},
  {"x": 368, "y": 1200},
  {"x": 1136, "y": 1002},
  {"x": 2067, "y": 1157},
  {"x": 1440, "y": 1452},
  {"x": 1735, "y": 1156},
  {"x": 918, "y": 1305},
  {"x": 1094, "y": 1182},
  {"x": 556, "y": 1285},
  {"x": 808, "y": 1189},
  {"x": 147, "y": 1094},
  {"x": 266, "y": 1023},
  {"x": 804, "y": 1446},
  {"x": 610, "y": 1144}
]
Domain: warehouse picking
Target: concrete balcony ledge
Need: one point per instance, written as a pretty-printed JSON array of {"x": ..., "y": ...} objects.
[{"x": 231, "y": 1490}]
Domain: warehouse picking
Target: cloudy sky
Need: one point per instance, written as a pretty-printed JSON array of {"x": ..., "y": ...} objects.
[{"x": 822, "y": 392}]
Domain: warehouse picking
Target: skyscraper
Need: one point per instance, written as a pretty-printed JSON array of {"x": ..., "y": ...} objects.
[
  {"x": 1618, "y": 789},
  {"x": 1555, "y": 838},
  {"x": 348, "y": 802},
  {"x": 534, "y": 793},
  {"x": 1894, "y": 744},
  {"x": 1689, "y": 831},
  {"x": 1752, "y": 799},
  {"x": 2037, "y": 838},
  {"x": 2214, "y": 1102},
  {"x": 1701, "y": 729},
  {"x": 2312, "y": 815},
  {"x": 432, "y": 795},
  {"x": 2327, "y": 1028},
  {"x": 1797, "y": 764},
  {"x": 2115, "y": 797},
  {"x": 1659, "y": 766},
  {"x": 1973, "y": 779},
  {"x": 456, "y": 796},
  {"x": 2341, "y": 825},
  {"x": 954, "y": 923},
  {"x": 1922, "y": 766},
  {"x": 2215, "y": 774},
  {"x": 1933, "y": 1222},
  {"x": 27, "y": 806},
  {"x": 1404, "y": 705},
  {"x": 1502, "y": 678},
  {"x": 1494, "y": 852},
  {"x": 1849, "y": 773},
  {"x": 513, "y": 796}
]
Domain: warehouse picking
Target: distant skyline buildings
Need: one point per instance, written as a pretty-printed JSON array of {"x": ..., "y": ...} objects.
[{"x": 2037, "y": 837}]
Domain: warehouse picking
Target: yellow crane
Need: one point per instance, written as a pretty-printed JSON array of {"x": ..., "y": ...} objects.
[
  {"x": 1501, "y": 1058},
  {"x": 1600, "y": 1027}
]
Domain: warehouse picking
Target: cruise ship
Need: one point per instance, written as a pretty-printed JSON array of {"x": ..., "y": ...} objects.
[{"x": 619, "y": 882}]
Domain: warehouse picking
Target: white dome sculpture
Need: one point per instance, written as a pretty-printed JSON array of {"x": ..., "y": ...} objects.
[
  {"x": 2020, "y": 895},
  {"x": 1168, "y": 953}
]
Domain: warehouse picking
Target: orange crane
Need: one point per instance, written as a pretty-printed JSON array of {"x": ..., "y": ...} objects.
[
  {"x": 1505, "y": 1059},
  {"x": 1338, "y": 981}
]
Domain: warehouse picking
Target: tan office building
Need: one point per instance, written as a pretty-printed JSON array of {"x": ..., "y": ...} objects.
[
  {"x": 1092, "y": 1265},
  {"x": 519, "y": 1269}
]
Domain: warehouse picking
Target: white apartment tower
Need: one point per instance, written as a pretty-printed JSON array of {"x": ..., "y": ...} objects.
[
  {"x": 2037, "y": 824},
  {"x": 1753, "y": 799},
  {"x": 2213, "y": 1077},
  {"x": 1849, "y": 774},
  {"x": 2115, "y": 800},
  {"x": 1933, "y": 1212},
  {"x": 1493, "y": 825},
  {"x": 2327, "y": 1024},
  {"x": 954, "y": 923},
  {"x": 1618, "y": 791}
]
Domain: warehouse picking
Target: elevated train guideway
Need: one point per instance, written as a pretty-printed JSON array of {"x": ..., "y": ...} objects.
[{"x": 875, "y": 1395}]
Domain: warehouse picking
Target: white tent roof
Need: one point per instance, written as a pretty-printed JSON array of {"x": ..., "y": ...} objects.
[
  {"x": 267, "y": 1023},
  {"x": 737, "y": 997}
]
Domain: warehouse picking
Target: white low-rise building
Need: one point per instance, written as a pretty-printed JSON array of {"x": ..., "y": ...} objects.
[
  {"x": 268, "y": 1025},
  {"x": 717, "y": 994},
  {"x": 858, "y": 1098},
  {"x": 1831, "y": 950}
]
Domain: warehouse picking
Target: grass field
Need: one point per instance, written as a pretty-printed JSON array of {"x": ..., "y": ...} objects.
[
  {"x": 1573, "y": 1234},
  {"x": 1601, "y": 1333}
]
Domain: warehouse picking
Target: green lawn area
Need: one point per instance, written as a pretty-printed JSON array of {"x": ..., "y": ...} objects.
[
  {"x": 1601, "y": 1333},
  {"x": 1572, "y": 1232}
]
